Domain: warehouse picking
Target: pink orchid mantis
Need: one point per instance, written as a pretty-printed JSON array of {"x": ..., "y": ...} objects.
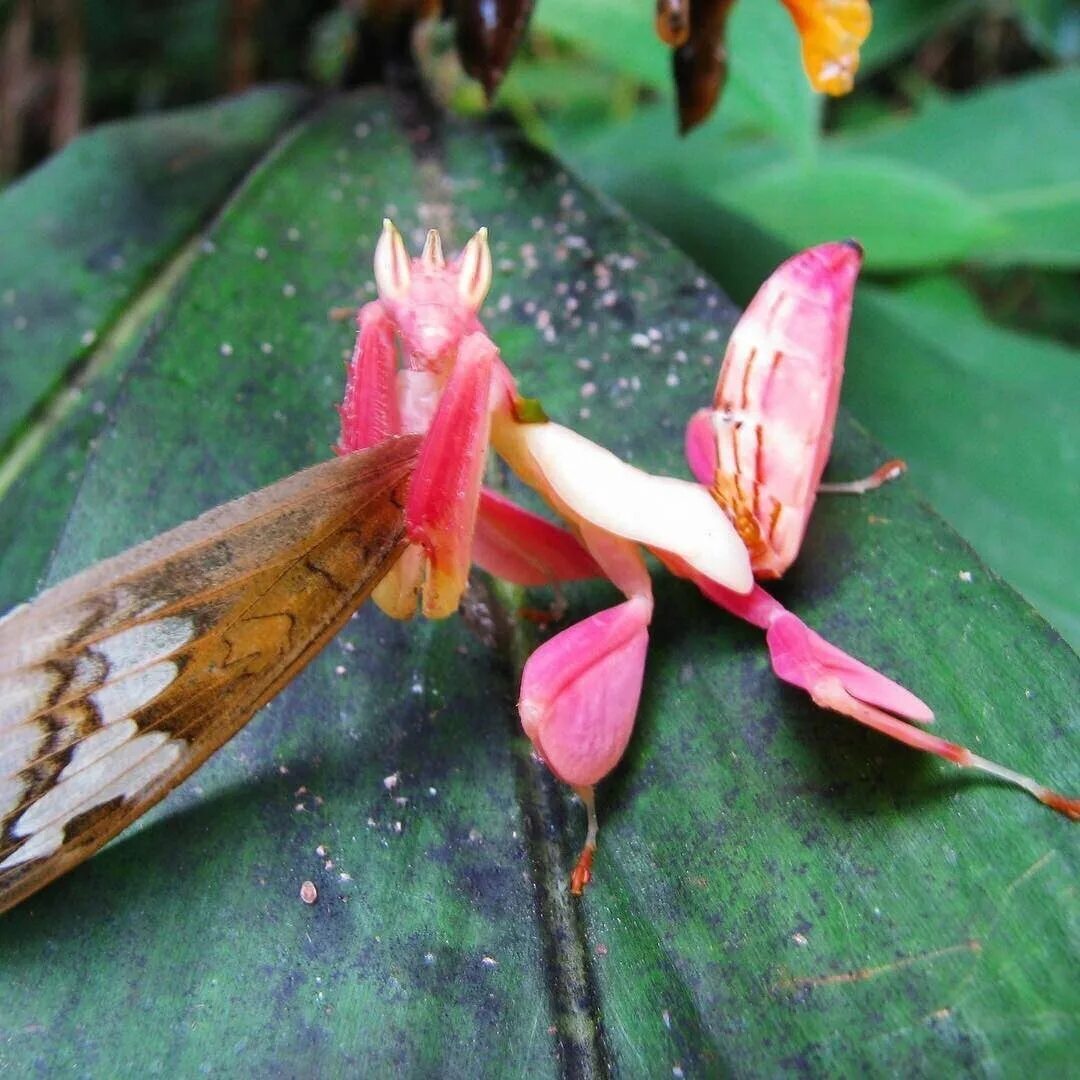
[{"x": 775, "y": 406}]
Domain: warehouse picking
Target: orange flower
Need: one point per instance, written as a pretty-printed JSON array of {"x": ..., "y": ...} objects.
[{"x": 831, "y": 33}]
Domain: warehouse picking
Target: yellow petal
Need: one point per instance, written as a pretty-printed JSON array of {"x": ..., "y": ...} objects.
[{"x": 832, "y": 32}]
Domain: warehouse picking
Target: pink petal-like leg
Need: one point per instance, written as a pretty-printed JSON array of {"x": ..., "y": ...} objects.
[
  {"x": 805, "y": 659},
  {"x": 523, "y": 548},
  {"x": 839, "y": 682},
  {"x": 369, "y": 410},
  {"x": 441, "y": 509},
  {"x": 580, "y": 690}
]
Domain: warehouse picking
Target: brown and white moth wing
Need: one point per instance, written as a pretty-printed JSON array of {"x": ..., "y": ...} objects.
[{"x": 118, "y": 683}]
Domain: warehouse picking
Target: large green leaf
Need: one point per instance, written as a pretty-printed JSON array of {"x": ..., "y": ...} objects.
[
  {"x": 75, "y": 250},
  {"x": 952, "y": 182},
  {"x": 777, "y": 890},
  {"x": 96, "y": 237},
  {"x": 930, "y": 220}
]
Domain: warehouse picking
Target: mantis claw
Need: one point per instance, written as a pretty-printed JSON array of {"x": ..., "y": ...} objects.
[{"x": 581, "y": 875}]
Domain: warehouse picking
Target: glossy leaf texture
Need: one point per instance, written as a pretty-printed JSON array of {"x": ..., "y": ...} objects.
[
  {"x": 777, "y": 891},
  {"x": 74, "y": 251}
]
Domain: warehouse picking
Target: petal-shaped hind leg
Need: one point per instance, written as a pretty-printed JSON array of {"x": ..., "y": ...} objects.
[
  {"x": 580, "y": 690},
  {"x": 523, "y": 548},
  {"x": 839, "y": 682}
]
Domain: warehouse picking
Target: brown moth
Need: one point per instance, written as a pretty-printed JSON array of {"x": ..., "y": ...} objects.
[{"x": 118, "y": 683}]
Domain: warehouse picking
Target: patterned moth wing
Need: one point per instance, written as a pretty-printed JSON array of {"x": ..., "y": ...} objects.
[{"x": 118, "y": 683}]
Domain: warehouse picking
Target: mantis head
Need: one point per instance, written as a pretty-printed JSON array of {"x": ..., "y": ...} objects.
[{"x": 433, "y": 304}]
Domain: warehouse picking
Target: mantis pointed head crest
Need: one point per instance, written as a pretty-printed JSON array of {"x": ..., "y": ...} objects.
[
  {"x": 474, "y": 271},
  {"x": 393, "y": 275},
  {"x": 432, "y": 255}
]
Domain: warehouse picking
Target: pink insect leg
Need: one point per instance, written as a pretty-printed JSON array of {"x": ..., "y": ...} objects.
[
  {"x": 580, "y": 690},
  {"x": 523, "y": 548},
  {"x": 369, "y": 410},
  {"x": 881, "y": 475},
  {"x": 839, "y": 682},
  {"x": 440, "y": 513}
]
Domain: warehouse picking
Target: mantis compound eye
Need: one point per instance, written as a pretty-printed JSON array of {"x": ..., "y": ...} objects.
[
  {"x": 474, "y": 273},
  {"x": 392, "y": 273}
]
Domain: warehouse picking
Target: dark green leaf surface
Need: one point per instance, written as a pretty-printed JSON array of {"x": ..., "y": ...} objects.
[
  {"x": 83, "y": 232},
  {"x": 78, "y": 289},
  {"x": 777, "y": 890}
]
